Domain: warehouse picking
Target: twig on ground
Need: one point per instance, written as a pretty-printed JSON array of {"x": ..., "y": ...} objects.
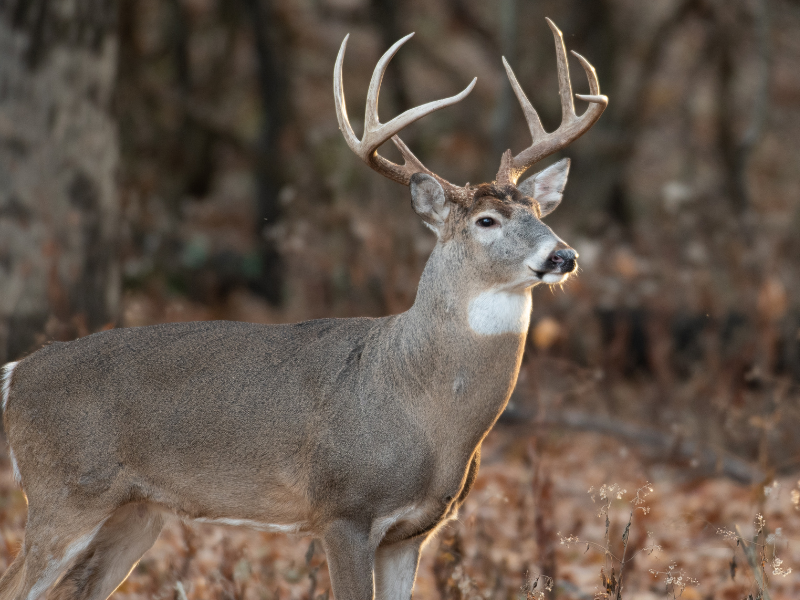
[{"x": 749, "y": 549}]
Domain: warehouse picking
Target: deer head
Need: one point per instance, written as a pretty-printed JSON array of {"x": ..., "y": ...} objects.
[{"x": 498, "y": 225}]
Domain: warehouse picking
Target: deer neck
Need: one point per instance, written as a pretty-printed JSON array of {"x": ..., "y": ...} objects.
[
  {"x": 472, "y": 335},
  {"x": 448, "y": 298}
]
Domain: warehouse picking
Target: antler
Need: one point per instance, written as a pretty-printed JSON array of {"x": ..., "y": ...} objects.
[
  {"x": 376, "y": 133},
  {"x": 572, "y": 126}
]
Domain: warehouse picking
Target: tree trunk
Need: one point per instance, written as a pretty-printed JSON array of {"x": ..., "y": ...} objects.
[{"x": 59, "y": 207}]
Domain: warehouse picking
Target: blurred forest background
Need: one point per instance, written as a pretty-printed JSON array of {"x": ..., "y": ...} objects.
[{"x": 166, "y": 160}]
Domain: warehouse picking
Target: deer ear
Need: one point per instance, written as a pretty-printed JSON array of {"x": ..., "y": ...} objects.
[
  {"x": 429, "y": 201},
  {"x": 546, "y": 187}
]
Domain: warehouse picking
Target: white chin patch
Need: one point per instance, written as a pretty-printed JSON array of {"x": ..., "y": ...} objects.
[
  {"x": 495, "y": 312},
  {"x": 554, "y": 277}
]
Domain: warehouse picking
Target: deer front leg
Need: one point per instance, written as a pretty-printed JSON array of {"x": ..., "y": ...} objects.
[
  {"x": 351, "y": 559},
  {"x": 396, "y": 569}
]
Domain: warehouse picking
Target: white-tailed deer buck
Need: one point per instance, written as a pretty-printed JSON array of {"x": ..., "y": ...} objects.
[{"x": 363, "y": 432}]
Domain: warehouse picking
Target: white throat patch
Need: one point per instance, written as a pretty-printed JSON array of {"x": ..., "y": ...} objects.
[{"x": 494, "y": 312}]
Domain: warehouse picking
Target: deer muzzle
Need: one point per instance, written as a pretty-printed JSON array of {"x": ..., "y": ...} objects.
[{"x": 563, "y": 260}]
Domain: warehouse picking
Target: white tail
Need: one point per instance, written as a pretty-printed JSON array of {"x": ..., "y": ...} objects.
[
  {"x": 5, "y": 390},
  {"x": 8, "y": 370},
  {"x": 363, "y": 432}
]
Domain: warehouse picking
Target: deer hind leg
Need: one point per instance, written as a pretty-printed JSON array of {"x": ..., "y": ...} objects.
[
  {"x": 351, "y": 558},
  {"x": 396, "y": 569},
  {"x": 12, "y": 578},
  {"x": 52, "y": 541},
  {"x": 113, "y": 553}
]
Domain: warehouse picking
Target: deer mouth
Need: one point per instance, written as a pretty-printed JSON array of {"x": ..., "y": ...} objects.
[{"x": 553, "y": 276}]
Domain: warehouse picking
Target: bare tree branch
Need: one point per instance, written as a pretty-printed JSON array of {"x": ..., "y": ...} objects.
[{"x": 659, "y": 446}]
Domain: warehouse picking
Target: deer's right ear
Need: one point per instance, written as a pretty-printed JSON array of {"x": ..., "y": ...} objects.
[
  {"x": 547, "y": 186},
  {"x": 429, "y": 201}
]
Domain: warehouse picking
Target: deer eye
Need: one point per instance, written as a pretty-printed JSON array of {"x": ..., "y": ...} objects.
[{"x": 485, "y": 222}]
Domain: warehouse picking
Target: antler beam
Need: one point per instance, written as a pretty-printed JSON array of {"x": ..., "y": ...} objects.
[
  {"x": 572, "y": 126},
  {"x": 375, "y": 132}
]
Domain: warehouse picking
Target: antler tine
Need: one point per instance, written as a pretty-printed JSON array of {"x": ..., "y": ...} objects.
[
  {"x": 572, "y": 126},
  {"x": 376, "y": 133},
  {"x": 531, "y": 116},
  {"x": 410, "y": 159},
  {"x": 594, "y": 85},
  {"x": 564, "y": 84},
  {"x": 402, "y": 121},
  {"x": 338, "y": 96},
  {"x": 371, "y": 120}
]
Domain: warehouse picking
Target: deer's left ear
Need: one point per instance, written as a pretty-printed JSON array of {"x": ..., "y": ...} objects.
[
  {"x": 429, "y": 201},
  {"x": 547, "y": 186}
]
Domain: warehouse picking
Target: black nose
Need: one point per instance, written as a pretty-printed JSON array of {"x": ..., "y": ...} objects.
[
  {"x": 563, "y": 260},
  {"x": 564, "y": 255}
]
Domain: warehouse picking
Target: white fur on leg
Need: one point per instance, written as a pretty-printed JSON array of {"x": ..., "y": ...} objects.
[
  {"x": 396, "y": 570},
  {"x": 14, "y": 467},
  {"x": 55, "y": 567},
  {"x": 6, "y": 388}
]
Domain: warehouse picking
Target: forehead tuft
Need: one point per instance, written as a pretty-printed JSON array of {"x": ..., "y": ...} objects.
[{"x": 501, "y": 198}]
